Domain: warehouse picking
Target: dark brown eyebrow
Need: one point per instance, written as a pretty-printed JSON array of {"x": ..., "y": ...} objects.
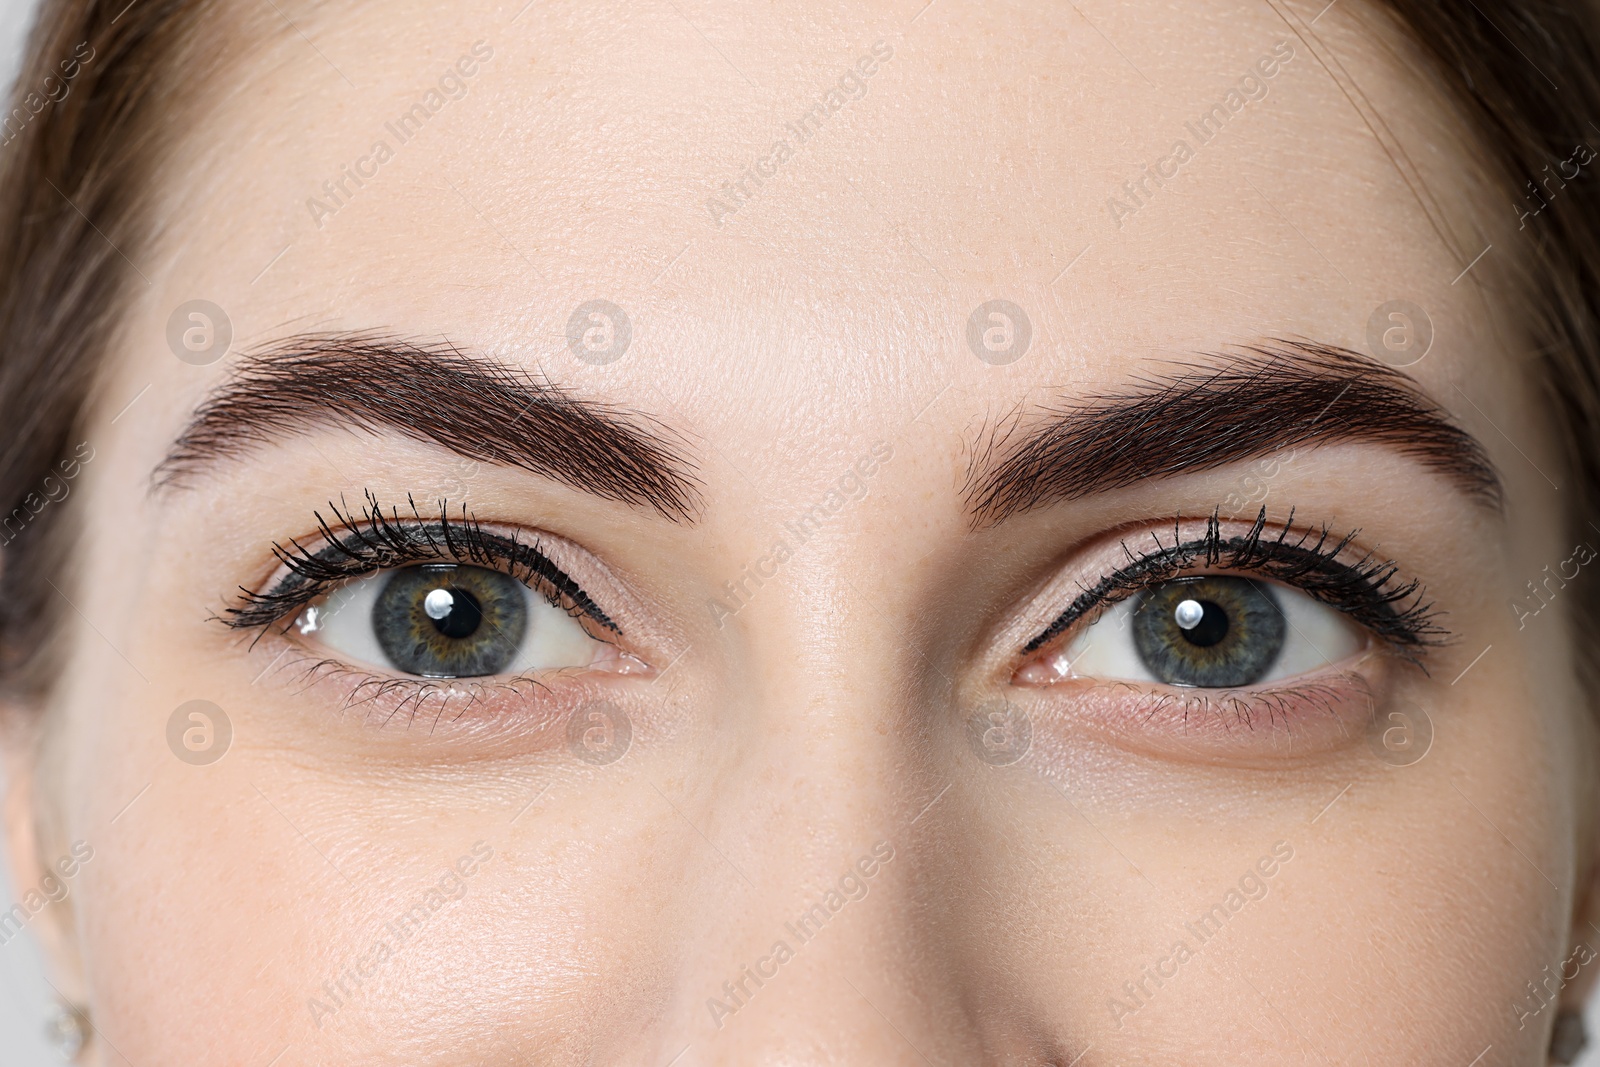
[
  {"x": 470, "y": 405},
  {"x": 1242, "y": 404}
]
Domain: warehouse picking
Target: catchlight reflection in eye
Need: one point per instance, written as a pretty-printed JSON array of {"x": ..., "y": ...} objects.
[
  {"x": 1211, "y": 631},
  {"x": 447, "y": 620}
]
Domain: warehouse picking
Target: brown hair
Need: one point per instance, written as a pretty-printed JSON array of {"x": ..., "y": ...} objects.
[
  {"x": 90, "y": 112},
  {"x": 78, "y": 170}
]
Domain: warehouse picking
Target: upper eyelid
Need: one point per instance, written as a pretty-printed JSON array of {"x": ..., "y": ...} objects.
[
  {"x": 341, "y": 549},
  {"x": 1414, "y": 623},
  {"x": 295, "y": 588}
]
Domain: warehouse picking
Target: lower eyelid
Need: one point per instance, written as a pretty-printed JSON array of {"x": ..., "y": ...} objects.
[
  {"x": 1261, "y": 726},
  {"x": 521, "y": 712}
]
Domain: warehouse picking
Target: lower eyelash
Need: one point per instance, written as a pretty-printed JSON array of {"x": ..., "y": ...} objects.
[
  {"x": 375, "y": 542},
  {"x": 1245, "y": 707},
  {"x": 395, "y": 696},
  {"x": 1365, "y": 589},
  {"x": 1318, "y": 715}
]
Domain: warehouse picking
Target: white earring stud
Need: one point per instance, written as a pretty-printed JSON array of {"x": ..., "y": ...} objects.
[{"x": 67, "y": 1030}]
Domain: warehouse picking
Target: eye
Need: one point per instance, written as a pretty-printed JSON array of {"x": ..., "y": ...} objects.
[
  {"x": 447, "y": 620},
  {"x": 1213, "y": 632}
]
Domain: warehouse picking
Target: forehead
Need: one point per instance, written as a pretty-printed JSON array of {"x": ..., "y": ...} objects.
[{"x": 785, "y": 189}]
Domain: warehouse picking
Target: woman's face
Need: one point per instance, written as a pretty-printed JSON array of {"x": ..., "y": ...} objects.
[{"x": 800, "y": 540}]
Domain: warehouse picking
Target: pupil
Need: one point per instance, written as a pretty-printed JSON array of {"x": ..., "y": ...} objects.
[
  {"x": 462, "y": 619},
  {"x": 1212, "y": 627}
]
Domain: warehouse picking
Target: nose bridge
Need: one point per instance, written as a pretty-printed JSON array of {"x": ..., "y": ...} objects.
[
  {"x": 872, "y": 917},
  {"x": 839, "y": 757},
  {"x": 807, "y": 960}
]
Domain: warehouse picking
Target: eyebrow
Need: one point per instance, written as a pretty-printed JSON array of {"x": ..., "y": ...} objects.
[
  {"x": 471, "y": 405},
  {"x": 1243, "y": 404}
]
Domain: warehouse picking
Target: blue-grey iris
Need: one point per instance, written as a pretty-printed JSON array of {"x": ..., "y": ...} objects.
[
  {"x": 447, "y": 620},
  {"x": 1215, "y": 631}
]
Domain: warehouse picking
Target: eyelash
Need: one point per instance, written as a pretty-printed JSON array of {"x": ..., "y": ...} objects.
[
  {"x": 354, "y": 547},
  {"x": 1365, "y": 589}
]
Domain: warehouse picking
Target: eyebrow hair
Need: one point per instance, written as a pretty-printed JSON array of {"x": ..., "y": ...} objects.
[
  {"x": 1248, "y": 402},
  {"x": 473, "y": 406}
]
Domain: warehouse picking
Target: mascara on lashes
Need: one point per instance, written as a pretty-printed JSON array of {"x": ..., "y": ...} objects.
[
  {"x": 375, "y": 542},
  {"x": 1359, "y": 589}
]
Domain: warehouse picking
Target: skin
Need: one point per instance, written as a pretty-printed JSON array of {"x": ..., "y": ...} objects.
[{"x": 828, "y": 714}]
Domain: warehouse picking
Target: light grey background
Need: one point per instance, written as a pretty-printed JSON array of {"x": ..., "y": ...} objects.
[{"x": 25, "y": 998}]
